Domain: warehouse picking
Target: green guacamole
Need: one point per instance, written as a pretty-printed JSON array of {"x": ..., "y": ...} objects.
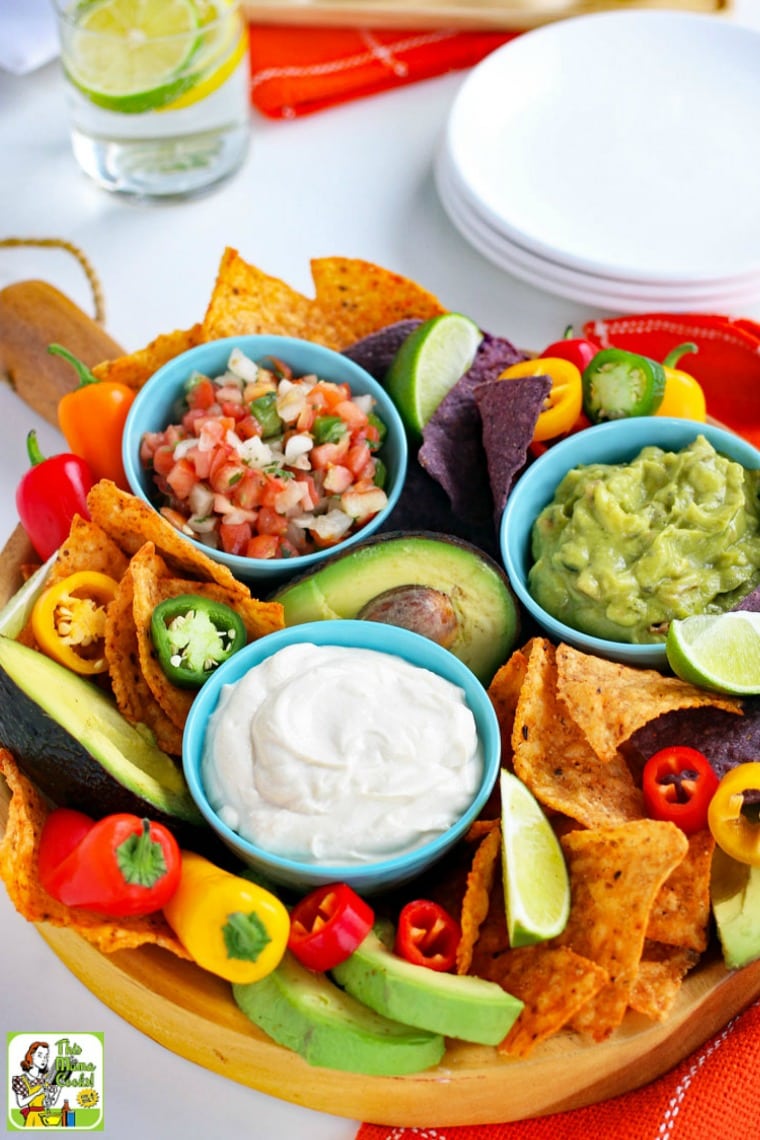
[{"x": 624, "y": 548}]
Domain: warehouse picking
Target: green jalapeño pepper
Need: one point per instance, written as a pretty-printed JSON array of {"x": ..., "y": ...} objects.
[
  {"x": 193, "y": 635},
  {"x": 617, "y": 384}
]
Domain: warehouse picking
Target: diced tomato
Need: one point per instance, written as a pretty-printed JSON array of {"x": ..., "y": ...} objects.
[
  {"x": 235, "y": 537},
  {"x": 325, "y": 395},
  {"x": 338, "y": 479},
  {"x": 270, "y": 522},
  {"x": 263, "y": 546},
  {"x": 311, "y": 500},
  {"x": 271, "y": 490},
  {"x": 202, "y": 394},
  {"x": 358, "y": 458},
  {"x": 247, "y": 493},
  {"x": 225, "y": 473},
  {"x": 163, "y": 459},
  {"x": 182, "y": 478},
  {"x": 327, "y": 454},
  {"x": 248, "y": 427},
  {"x": 351, "y": 414}
]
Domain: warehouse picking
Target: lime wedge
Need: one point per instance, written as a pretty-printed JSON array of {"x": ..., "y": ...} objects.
[
  {"x": 536, "y": 883},
  {"x": 428, "y": 365},
  {"x": 221, "y": 50},
  {"x": 717, "y": 651},
  {"x": 131, "y": 55}
]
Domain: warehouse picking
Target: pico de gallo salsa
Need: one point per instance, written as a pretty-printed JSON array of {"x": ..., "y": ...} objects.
[{"x": 266, "y": 464}]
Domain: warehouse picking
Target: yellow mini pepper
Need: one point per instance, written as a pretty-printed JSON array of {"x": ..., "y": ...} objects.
[
  {"x": 563, "y": 404},
  {"x": 733, "y": 813},
  {"x": 69, "y": 621},
  {"x": 229, "y": 925},
  {"x": 683, "y": 396}
]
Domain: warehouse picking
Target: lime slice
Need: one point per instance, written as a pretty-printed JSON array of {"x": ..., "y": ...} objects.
[
  {"x": 536, "y": 883},
  {"x": 131, "y": 55},
  {"x": 717, "y": 651},
  {"x": 221, "y": 51},
  {"x": 428, "y": 365}
]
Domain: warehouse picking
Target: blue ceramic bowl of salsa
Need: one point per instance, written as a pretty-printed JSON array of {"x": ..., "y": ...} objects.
[{"x": 385, "y": 870}]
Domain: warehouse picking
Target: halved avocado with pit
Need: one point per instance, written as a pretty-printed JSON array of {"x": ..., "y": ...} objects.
[{"x": 421, "y": 580}]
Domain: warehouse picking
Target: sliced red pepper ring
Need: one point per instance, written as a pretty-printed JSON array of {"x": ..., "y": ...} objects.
[
  {"x": 678, "y": 784},
  {"x": 734, "y": 813},
  {"x": 327, "y": 926},
  {"x": 427, "y": 935},
  {"x": 69, "y": 621},
  {"x": 564, "y": 402}
]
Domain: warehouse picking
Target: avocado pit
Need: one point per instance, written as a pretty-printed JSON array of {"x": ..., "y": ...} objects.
[{"x": 420, "y": 609}]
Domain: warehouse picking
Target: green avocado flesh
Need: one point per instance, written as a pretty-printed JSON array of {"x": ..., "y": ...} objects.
[
  {"x": 306, "y": 1012},
  {"x": 735, "y": 896},
  {"x": 486, "y": 611},
  {"x": 466, "y": 1007},
  {"x": 72, "y": 742}
]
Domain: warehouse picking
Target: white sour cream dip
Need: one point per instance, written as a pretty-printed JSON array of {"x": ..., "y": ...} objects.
[{"x": 340, "y": 756}]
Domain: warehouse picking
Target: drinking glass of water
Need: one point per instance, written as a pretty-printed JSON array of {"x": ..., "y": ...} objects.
[{"x": 158, "y": 92}]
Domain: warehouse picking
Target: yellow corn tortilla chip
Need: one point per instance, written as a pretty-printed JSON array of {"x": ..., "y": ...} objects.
[
  {"x": 477, "y": 896},
  {"x": 353, "y": 298},
  {"x": 553, "y": 757},
  {"x": 131, "y": 691},
  {"x": 609, "y": 701},
  {"x": 504, "y": 692},
  {"x": 18, "y": 869},
  {"x": 134, "y": 368},
  {"x": 130, "y": 523},
  {"x": 680, "y": 914},
  {"x": 88, "y": 547},
  {"x": 553, "y": 982},
  {"x": 152, "y": 585},
  {"x": 615, "y": 874},
  {"x": 661, "y": 971}
]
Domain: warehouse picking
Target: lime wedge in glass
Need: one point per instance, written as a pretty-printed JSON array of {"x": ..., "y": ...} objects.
[
  {"x": 717, "y": 651},
  {"x": 428, "y": 365},
  {"x": 536, "y": 883},
  {"x": 132, "y": 56}
]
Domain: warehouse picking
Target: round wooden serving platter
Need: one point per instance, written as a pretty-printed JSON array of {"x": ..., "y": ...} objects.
[{"x": 193, "y": 1013}]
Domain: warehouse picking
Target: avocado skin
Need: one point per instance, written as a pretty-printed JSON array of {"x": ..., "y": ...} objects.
[
  {"x": 56, "y": 759},
  {"x": 735, "y": 896},
  {"x": 461, "y": 1006},
  {"x": 306, "y": 1012},
  {"x": 478, "y": 587}
]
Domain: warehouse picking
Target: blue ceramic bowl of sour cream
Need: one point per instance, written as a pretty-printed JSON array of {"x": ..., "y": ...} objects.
[
  {"x": 618, "y": 441},
  {"x": 158, "y": 402},
  {"x": 379, "y": 869}
]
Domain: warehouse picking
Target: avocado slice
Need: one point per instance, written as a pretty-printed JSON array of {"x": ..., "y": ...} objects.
[
  {"x": 487, "y": 615},
  {"x": 306, "y": 1012},
  {"x": 73, "y": 743},
  {"x": 735, "y": 896},
  {"x": 462, "y": 1006}
]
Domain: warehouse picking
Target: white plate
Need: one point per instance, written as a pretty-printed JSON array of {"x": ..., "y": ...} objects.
[
  {"x": 596, "y": 291},
  {"x": 622, "y": 144},
  {"x": 510, "y": 253}
]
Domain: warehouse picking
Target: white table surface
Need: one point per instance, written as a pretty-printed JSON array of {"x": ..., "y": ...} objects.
[{"x": 352, "y": 181}]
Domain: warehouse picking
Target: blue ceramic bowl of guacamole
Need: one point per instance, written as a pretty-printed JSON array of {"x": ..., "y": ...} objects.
[
  {"x": 197, "y": 490},
  {"x": 638, "y": 542},
  {"x": 341, "y": 751}
]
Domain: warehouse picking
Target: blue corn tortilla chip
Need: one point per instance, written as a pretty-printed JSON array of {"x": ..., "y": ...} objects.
[
  {"x": 509, "y": 410},
  {"x": 724, "y": 738},
  {"x": 452, "y": 450},
  {"x": 751, "y": 603},
  {"x": 375, "y": 352}
]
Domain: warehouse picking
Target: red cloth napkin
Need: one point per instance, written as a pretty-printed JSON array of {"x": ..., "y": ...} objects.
[
  {"x": 297, "y": 71},
  {"x": 712, "y": 1095}
]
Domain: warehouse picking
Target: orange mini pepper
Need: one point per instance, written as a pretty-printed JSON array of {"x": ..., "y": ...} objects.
[
  {"x": 92, "y": 419},
  {"x": 564, "y": 402}
]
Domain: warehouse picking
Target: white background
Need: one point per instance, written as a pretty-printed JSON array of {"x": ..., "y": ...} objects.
[{"x": 352, "y": 181}]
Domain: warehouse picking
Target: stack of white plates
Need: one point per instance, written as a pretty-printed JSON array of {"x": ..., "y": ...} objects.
[{"x": 614, "y": 159}]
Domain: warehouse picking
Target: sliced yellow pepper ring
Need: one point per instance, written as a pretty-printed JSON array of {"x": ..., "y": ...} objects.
[
  {"x": 563, "y": 404},
  {"x": 69, "y": 621},
  {"x": 734, "y": 813}
]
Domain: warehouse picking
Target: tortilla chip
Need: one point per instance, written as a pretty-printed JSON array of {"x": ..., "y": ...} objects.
[
  {"x": 477, "y": 896},
  {"x": 509, "y": 410},
  {"x": 615, "y": 874},
  {"x": 135, "y": 368},
  {"x": 552, "y": 756},
  {"x": 611, "y": 701},
  {"x": 18, "y": 869},
  {"x": 133, "y": 695},
  {"x": 130, "y": 522},
  {"x": 353, "y": 298},
  {"x": 88, "y": 547},
  {"x": 661, "y": 971},
  {"x": 553, "y": 982},
  {"x": 504, "y": 692},
  {"x": 152, "y": 585},
  {"x": 680, "y": 914}
]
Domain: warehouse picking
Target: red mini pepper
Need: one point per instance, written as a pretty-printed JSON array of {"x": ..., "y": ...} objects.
[
  {"x": 49, "y": 494},
  {"x": 678, "y": 784},
  {"x": 577, "y": 349},
  {"x": 327, "y": 925},
  {"x": 118, "y": 865},
  {"x": 427, "y": 935}
]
